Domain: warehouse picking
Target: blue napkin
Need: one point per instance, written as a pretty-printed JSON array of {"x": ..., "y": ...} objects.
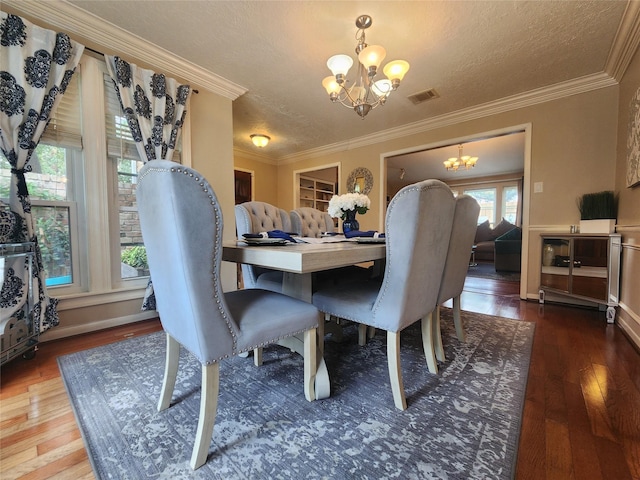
[
  {"x": 368, "y": 233},
  {"x": 271, "y": 234}
]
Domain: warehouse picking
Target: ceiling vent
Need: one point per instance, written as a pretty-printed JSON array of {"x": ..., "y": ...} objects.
[{"x": 423, "y": 96}]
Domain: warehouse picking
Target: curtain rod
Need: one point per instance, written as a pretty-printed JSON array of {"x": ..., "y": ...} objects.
[{"x": 100, "y": 53}]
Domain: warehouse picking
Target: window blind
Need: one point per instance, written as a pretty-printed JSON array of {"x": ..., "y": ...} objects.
[{"x": 65, "y": 126}]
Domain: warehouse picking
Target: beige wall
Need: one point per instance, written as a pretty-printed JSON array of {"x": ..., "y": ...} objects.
[
  {"x": 628, "y": 211},
  {"x": 212, "y": 155}
]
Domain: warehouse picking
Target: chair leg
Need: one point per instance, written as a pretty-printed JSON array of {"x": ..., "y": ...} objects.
[
  {"x": 437, "y": 335},
  {"x": 257, "y": 356},
  {"x": 170, "y": 372},
  {"x": 457, "y": 319},
  {"x": 320, "y": 333},
  {"x": 310, "y": 363},
  {"x": 395, "y": 370},
  {"x": 371, "y": 332},
  {"x": 427, "y": 342},
  {"x": 208, "y": 410},
  {"x": 362, "y": 334}
]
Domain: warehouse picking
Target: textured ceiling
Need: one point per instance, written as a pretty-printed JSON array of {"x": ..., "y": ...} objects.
[{"x": 470, "y": 52}]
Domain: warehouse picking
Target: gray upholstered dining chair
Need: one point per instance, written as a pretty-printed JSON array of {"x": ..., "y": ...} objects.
[
  {"x": 463, "y": 231},
  {"x": 182, "y": 225},
  {"x": 417, "y": 227},
  {"x": 311, "y": 222},
  {"x": 256, "y": 217}
]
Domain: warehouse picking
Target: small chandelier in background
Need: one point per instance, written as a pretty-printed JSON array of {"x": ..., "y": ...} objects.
[
  {"x": 260, "y": 140},
  {"x": 461, "y": 161},
  {"x": 365, "y": 94}
]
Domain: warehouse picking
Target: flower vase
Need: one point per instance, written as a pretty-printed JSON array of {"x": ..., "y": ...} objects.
[{"x": 350, "y": 222}]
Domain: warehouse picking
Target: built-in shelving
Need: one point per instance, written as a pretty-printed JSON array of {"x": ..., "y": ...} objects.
[{"x": 316, "y": 193}]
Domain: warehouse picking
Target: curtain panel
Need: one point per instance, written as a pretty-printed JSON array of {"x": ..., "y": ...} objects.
[
  {"x": 36, "y": 67},
  {"x": 155, "y": 109}
]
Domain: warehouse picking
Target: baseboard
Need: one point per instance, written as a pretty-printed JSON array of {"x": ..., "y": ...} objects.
[
  {"x": 631, "y": 325},
  {"x": 63, "y": 332}
]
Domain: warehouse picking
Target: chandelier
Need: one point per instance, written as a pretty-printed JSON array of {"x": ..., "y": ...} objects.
[
  {"x": 461, "y": 161},
  {"x": 365, "y": 93}
]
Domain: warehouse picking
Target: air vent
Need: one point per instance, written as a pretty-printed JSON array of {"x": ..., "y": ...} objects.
[{"x": 423, "y": 96}]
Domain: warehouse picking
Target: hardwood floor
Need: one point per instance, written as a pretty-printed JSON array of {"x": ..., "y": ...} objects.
[{"x": 581, "y": 417}]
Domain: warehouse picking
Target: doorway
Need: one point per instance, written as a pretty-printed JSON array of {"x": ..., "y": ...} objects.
[
  {"x": 503, "y": 155},
  {"x": 243, "y": 180}
]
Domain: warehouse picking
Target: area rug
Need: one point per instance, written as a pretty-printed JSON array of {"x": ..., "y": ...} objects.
[
  {"x": 487, "y": 270},
  {"x": 460, "y": 424}
]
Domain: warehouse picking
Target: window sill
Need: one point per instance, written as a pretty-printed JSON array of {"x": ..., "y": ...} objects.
[{"x": 90, "y": 299}]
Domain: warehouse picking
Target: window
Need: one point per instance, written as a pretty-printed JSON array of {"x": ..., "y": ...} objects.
[
  {"x": 486, "y": 197},
  {"x": 123, "y": 165},
  {"x": 510, "y": 204},
  {"x": 56, "y": 190},
  {"x": 85, "y": 172}
]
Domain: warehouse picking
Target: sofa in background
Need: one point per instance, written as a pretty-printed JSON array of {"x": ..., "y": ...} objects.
[
  {"x": 508, "y": 250},
  {"x": 486, "y": 237}
]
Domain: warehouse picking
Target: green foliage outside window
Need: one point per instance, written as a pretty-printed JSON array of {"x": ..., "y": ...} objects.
[
  {"x": 135, "y": 256},
  {"x": 54, "y": 242}
]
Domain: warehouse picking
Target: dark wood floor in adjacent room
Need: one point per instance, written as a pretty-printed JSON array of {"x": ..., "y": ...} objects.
[{"x": 581, "y": 416}]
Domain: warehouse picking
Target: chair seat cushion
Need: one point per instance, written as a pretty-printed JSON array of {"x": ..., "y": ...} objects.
[
  {"x": 263, "y": 317},
  {"x": 353, "y": 303}
]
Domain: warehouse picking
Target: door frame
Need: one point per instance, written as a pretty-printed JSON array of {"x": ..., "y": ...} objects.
[{"x": 526, "y": 183}]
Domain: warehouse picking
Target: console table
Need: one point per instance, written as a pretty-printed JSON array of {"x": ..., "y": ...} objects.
[{"x": 582, "y": 266}]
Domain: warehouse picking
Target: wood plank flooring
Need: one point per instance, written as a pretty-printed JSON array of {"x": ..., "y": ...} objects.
[{"x": 581, "y": 417}]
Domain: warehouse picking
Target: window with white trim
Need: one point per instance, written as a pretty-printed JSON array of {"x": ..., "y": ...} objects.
[
  {"x": 56, "y": 191},
  {"x": 486, "y": 197},
  {"x": 123, "y": 165}
]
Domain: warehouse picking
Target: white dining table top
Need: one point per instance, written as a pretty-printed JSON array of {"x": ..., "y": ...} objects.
[{"x": 303, "y": 257}]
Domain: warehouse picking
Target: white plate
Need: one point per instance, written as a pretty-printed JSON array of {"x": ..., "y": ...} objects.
[
  {"x": 370, "y": 240},
  {"x": 264, "y": 241}
]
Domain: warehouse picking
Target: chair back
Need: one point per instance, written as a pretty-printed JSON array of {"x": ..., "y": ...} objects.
[
  {"x": 181, "y": 224},
  {"x": 463, "y": 231},
  {"x": 311, "y": 222},
  {"x": 256, "y": 217},
  {"x": 417, "y": 228}
]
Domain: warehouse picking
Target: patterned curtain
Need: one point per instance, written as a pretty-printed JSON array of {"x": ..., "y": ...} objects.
[
  {"x": 36, "y": 67},
  {"x": 155, "y": 108}
]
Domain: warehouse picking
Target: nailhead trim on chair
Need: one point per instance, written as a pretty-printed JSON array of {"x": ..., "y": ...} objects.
[
  {"x": 216, "y": 253},
  {"x": 218, "y": 292}
]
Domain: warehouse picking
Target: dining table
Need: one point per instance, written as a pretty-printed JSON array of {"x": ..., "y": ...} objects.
[{"x": 299, "y": 261}]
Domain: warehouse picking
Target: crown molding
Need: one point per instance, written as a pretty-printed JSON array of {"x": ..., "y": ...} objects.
[
  {"x": 93, "y": 31},
  {"x": 506, "y": 104},
  {"x": 626, "y": 42},
  {"x": 257, "y": 157}
]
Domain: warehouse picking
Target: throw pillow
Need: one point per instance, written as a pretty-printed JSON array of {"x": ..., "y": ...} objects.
[
  {"x": 503, "y": 227},
  {"x": 483, "y": 232}
]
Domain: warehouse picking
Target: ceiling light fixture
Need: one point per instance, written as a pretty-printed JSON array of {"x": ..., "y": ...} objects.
[
  {"x": 461, "y": 161},
  {"x": 365, "y": 94},
  {"x": 260, "y": 140}
]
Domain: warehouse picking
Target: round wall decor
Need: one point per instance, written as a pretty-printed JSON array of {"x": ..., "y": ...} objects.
[{"x": 360, "y": 180}]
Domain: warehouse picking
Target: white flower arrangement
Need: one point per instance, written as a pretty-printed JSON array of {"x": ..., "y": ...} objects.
[{"x": 339, "y": 204}]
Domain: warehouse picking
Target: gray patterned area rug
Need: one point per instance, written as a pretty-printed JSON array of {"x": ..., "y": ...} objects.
[{"x": 462, "y": 423}]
